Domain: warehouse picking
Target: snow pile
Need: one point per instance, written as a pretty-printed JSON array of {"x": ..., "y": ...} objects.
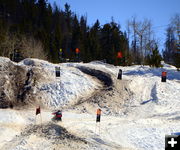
[
  {"x": 33, "y": 81},
  {"x": 7, "y": 82},
  {"x": 98, "y": 65},
  {"x": 154, "y": 109},
  {"x": 150, "y": 92},
  {"x": 57, "y": 91}
]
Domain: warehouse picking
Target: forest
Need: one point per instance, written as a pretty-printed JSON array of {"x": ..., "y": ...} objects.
[{"x": 37, "y": 29}]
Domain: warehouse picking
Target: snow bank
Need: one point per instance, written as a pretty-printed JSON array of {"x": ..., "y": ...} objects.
[
  {"x": 67, "y": 89},
  {"x": 150, "y": 92},
  {"x": 41, "y": 87}
]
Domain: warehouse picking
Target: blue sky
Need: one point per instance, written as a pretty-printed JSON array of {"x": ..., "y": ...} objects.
[{"x": 159, "y": 11}]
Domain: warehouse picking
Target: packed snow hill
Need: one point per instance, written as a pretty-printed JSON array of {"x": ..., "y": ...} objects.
[{"x": 137, "y": 111}]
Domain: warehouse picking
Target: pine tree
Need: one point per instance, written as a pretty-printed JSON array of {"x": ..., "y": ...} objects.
[
  {"x": 155, "y": 58},
  {"x": 93, "y": 39},
  {"x": 169, "y": 46},
  {"x": 56, "y": 29}
]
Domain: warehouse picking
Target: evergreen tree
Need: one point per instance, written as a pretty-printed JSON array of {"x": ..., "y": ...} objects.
[
  {"x": 155, "y": 58},
  {"x": 75, "y": 35},
  {"x": 56, "y": 29},
  {"x": 83, "y": 45},
  {"x": 169, "y": 46},
  {"x": 94, "y": 41},
  {"x": 106, "y": 45}
]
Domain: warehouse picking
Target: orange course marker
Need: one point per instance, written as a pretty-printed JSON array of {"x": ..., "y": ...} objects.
[
  {"x": 163, "y": 77},
  {"x": 164, "y": 74},
  {"x": 77, "y": 50},
  {"x": 119, "y": 55},
  {"x": 98, "y": 111},
  {"x": 98, "y": 118}
]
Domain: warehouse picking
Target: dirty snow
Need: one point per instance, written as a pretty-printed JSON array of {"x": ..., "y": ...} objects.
[{"x": 47, "y": 89}]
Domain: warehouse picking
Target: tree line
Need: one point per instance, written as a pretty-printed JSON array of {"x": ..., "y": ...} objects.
[
  {"x": 171, "y": 52},
  {"x": 38, "y": 29}
]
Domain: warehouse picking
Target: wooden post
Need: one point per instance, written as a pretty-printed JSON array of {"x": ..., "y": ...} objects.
[
  {"x": 57, "y": 71},
  {"x": 98, "y": 119},
  {"x": 163, "y": 76},
  {"x": 120, "y": 74}
]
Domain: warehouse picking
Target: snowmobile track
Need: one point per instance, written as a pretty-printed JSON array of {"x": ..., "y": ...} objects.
[{"x": 100, "y": 75}]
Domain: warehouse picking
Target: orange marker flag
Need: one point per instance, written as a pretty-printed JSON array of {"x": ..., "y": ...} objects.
[
  {"x": 164, "y": 74},
  {"x": 77, "y": 50},
  {"x": 99, "y": 111},
  {"x": 119, "y": 55},
  {"x": 98, "y": 118}
]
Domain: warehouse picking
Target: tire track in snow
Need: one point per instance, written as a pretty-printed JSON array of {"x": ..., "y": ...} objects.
[
  {"x": 105, "y": 78},
  {"x": 110, "y": 98}
]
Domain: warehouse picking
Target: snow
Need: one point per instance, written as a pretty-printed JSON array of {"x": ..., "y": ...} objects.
[
  {"x": 142, "y": 123},
  {"x": 70, "y": 87},
  {"x": 56, "y": 92}
]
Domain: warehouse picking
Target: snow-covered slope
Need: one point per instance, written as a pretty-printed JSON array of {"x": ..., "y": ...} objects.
[{"x": 151, "y": 111}]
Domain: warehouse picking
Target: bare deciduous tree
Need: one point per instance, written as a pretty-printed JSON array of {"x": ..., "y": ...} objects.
[
  {"x": 141, "y": 35},
  {"x": 28, "y": 46},
  {"x": 175, "y": 25},
  {"x": 172, "y": 44},
  {"x": 32, "y": 48}
]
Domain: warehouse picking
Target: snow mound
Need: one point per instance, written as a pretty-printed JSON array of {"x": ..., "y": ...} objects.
[{"x": 33, "y": 81}]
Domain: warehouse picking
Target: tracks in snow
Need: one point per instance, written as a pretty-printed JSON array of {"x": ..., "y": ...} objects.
[
  {"x": 104, "y": 77},
  {"x": 110, "y": 98}
]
